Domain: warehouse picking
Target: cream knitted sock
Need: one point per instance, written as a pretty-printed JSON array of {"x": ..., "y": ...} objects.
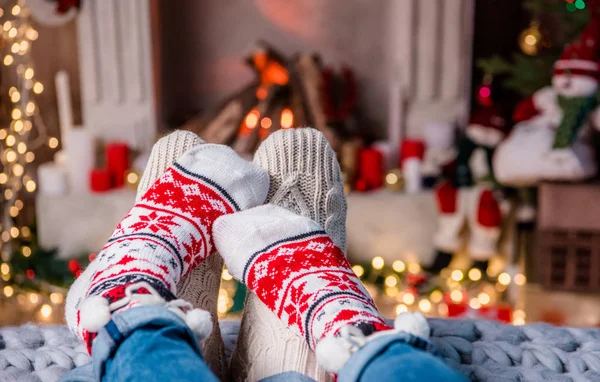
[
  {"x": 200, "y": 285},
  {"x": 306, "y": 179},
  {"x": 300, "y": 275}
]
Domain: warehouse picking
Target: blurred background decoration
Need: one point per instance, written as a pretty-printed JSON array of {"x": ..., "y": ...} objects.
[{"x": 428, "y": 104}]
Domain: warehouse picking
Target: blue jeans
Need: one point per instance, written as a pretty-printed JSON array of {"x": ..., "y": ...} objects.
[{"x": 150, "y": 343}]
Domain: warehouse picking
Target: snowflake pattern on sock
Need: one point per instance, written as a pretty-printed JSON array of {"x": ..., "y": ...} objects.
[
  {"x": 308, "y": 283},
  {"x": 164, "y": 236}
]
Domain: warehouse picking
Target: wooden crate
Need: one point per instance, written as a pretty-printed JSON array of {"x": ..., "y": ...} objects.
[{"x": 568, "y": 237}]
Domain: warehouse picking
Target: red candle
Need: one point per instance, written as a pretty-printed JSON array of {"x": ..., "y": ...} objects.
[
  {"x": 411, "y": 148},
  {"x": 371, "y": 168},
  {"x": 117, "y": 162},
  {"x": 100, "y": 180}
]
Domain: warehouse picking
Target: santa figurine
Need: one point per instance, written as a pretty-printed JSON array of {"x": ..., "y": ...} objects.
[
  {"x": 552, "y": 138},
  {"x": 466, "y": 197}
]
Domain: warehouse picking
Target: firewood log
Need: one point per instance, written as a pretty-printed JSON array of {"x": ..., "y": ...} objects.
[{"x": 310, "y": 80}]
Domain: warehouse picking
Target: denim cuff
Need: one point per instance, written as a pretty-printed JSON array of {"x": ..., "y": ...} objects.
[
  {"x": 123, "y": 324},
  {"x": 358, "y": 362}
]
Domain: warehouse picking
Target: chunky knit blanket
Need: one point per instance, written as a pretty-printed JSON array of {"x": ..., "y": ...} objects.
[{"x": 482, "y": 350}]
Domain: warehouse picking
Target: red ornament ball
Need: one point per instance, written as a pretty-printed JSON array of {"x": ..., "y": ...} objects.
[
  {"x": 484, "y": 95},
  {"x": 30, "y": 274},
  {"x": 73, "y": 266}
]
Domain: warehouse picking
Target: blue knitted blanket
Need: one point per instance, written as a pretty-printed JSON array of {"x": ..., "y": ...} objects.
[{"x": 482, "y": 350}]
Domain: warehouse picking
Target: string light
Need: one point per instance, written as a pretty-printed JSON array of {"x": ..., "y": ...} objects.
[
  {"x": 401, "y": 308},
  {"x": 56, "y": 298},
  {"x": 398, "y": 266},
  {"x": 474, "y": 274},
  {"x": 29, "y": 73},
  {"x": 475, "y": 303},
  {"x": 392, "y": 291},
  {"x": 436, "y": 296},
  {"x": 414, "y": 268},
  {"x": 378, "y": 262},
  {"x": 53, "y": 143},
  {"x": 358, "y": 270},
  {"x": 391, "y": 281},
  {"x": 18, "y": 146},
  {"x": 456, "y": 296},
  {"x": 520, "y": 279},
  {"x": 46, "y": 310},
  {"x": 226, "y": 275},
  {"x": 38, "y": 88},
  {"x": 504, "y": 278},
  {"x": 484, "y": 298},
  {"x": 408, "y": 298},
  {"x": 425, "y": 305},
  {"x": 457, "y": 275}
]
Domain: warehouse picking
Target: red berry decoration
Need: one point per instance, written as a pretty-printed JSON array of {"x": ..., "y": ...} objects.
[
  {"x": 30, "y": 274},
  {"x": 92, "y": 256},
  {"x": 73, "y": 266}
]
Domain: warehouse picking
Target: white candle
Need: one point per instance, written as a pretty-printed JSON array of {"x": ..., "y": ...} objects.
[
  {"x": 81, "y": 154},
  {"x": 395, "y": 116},
  {"x": 52, "y": 179},
  {"x": 65, "y": 109},
  {"x": 411, "y": 169}
]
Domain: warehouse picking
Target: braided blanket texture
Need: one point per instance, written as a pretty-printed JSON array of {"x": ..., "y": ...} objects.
[{"x": 482, "y": 350}]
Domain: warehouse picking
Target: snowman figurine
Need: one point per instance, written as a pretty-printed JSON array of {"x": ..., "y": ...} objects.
[
  {"x": 466, "y": 198},
  {"x": 551, "y": 140}
]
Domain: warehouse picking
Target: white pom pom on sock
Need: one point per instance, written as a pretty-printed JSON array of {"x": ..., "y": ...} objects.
[
  {"x": 333, "y": 353},
  {"x": 413, "y": 323},
  {"x": 94, "y": 313},
  {"x": 200, "y": 322}
]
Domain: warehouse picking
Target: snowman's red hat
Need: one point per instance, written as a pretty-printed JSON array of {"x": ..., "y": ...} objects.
[{"x": 581, "y": 56}]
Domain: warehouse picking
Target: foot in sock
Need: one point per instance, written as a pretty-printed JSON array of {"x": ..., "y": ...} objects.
[
  {"x": 165, "y": 235},
  {"x": 305, "y": 178},
  {"x": 201, "y": 286},
  {"x": 295, "y": 269}
]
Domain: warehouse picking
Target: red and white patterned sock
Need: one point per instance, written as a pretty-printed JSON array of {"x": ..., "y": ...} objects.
[
  {"x": 167, "y": 233},
  {"x": 295, "y": 269}
]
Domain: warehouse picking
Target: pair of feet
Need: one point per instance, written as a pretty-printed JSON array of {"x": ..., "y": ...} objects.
[{"x": 211, "y": 200}]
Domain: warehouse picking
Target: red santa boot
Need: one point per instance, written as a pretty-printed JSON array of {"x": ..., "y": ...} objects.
[
  {"x": 450, "y": 222},
  {"x": 484, "y": 223}
]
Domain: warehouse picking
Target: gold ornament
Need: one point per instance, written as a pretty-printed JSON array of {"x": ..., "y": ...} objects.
[
  {"x": 531, "y": 39},
  {"x": 394, "y": 180}
]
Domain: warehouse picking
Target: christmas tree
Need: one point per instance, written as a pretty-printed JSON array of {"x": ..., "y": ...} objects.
[{"x": 554, "y": 24}]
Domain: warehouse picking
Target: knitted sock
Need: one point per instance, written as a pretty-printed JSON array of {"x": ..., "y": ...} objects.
[
  {"x": 201, "y": 286},
  {"x": 306, "y": 179},
  {"x": 166, "y": 234},
  {"x": 297, "y": 271}
]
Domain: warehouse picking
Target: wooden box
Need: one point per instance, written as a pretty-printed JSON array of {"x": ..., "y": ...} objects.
[{"x": 568, "y": 237}]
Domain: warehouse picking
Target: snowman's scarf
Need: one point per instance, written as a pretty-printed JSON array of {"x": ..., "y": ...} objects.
[{"x": 575, "y": 112}]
